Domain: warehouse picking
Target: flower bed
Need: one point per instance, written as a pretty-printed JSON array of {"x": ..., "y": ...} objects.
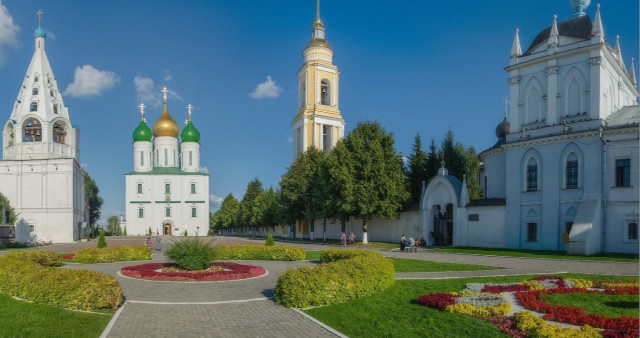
[
  {"x": 231, "y": 271},
  {"x": 483, "y": 300}
]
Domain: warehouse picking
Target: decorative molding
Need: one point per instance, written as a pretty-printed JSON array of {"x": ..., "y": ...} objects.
[
  {"x": 514, "y": 80},
  {"x": 551, "y": 70},
  {"x": 595, "y": 61}
]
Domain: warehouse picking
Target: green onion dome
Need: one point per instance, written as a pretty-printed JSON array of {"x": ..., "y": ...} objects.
[
  {"x": 142, "y": 132},
  {"x": 190, "y": 133}
]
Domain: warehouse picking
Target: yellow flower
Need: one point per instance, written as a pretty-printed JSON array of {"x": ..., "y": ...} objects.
[
  {"x": 532, "y": 284},
  {"x": 580, "y": 283},
  {"x": 536, "y": 327},
  {"x": 480, "y": 311}
]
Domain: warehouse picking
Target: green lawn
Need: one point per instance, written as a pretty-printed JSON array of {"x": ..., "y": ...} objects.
[
  {"x": 311, "y": 255},
  {"x": 541, "y": 254},
  {"x": 23, "y": 319},
  {"x": 394, "y": 313},
  {"x": 602, "y": 304},
  {"x": 416, "y": 265}
]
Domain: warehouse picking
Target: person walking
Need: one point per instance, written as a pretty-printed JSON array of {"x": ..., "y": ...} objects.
[
  {"x": 158, "y": 242},
  {"x": 352, "y": 238},
  {"x": 147, "y": 242},
  {"x": 343, "y": 239},
  {"x": 403, "y": 242}
]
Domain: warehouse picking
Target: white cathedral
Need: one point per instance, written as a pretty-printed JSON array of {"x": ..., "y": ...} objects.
[
  {"x": 40, "y": 171},
  {"x": 563, "y": 174},
  {"x": 167, "y": 193}
]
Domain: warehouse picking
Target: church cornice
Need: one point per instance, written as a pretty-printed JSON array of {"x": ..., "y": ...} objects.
[
  {"x": 570, "y": 136},
  {"x": 558, "y": 55}
]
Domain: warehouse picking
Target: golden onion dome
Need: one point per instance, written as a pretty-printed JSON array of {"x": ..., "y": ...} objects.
[
  {"x": 317, "y": 42},
  {"x": 318, "y": 23},
  {"x": 165, "y": 125}
]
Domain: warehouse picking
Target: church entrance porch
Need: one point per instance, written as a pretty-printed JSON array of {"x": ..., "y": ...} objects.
[
  {"x": 167, "y": 229},
  {"x": 443, "y": 227}
]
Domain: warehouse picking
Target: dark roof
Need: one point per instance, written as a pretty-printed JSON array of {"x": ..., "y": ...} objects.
[
  {"x": 487, "y": 202},
  {"x": 579, "y": 27}
]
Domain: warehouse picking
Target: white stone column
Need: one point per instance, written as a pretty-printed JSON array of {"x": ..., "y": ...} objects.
[
  {"x": 514, "y": 93},
  {"x": 552, "y": 91},
  {"x": 595, "y": 107}
]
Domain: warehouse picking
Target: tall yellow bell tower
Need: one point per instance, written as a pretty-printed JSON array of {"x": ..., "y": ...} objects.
[{"x": 318, "y": 122}]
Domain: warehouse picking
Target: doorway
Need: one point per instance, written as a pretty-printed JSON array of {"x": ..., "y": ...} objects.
[
  {"x": 167, "y": 229},
  {"x": 443, "y": 227}
]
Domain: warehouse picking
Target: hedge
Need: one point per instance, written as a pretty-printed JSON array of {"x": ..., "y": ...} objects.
[
  {"x": 41, "y": 257},
  {"x": 113, "y": 254},
  {"x": 260, "y": 253},
  {"x": 358, "y": 274},
  {"x": 21, "y": 276}
]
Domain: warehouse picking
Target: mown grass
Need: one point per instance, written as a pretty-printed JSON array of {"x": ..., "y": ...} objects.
[
  {"x": 416, "y": 265},
  {"x": 23, "y": 319},
  {"x": 540, "y": 254},
  {"x": 394, "y": 312},
  {"x": 312, "y": 255},
  {"x": 601, "y": 304}
]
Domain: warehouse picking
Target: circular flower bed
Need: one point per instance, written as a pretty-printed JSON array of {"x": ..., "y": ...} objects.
[{"x": 164, "y": 272}]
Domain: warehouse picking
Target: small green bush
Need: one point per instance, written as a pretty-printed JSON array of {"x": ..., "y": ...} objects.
[
  {"x": 125, "y": 231},
  {"x": 41, "y": 257},
  {"x": 84, "y": 290},
  {"x": 102, "y": 243},
  {"x": 191, "y": 254},
  {"x": 259, "y": 253},
  {"x": 359, "y": 274},
  {"x": 150, "y": 232},
  {"x": 269, "y": 241},
  {"x": 334, "y": 255},
  {"x": 13, "y": 245},
  {"x": 115, "y": 254}
]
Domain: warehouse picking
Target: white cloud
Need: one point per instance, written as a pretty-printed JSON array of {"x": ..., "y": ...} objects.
[
  {"x": 215, "y": 201},
  {"x": 50, "y": 34},
  {"x": 84, "y": 165},
  {"x": 149, "y": 93},
  {"x": 266, "y": 89},
  {"x": 167, "y": 75},
  {"x": 204, "y": 170},
  {"x": 8, "y": 32},
  {"x": 89, "y": 81}
]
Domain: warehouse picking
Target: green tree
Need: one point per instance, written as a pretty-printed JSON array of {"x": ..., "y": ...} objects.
[
  {"x": 9, "y": 215},
  {"x": 269, "y": 241},
  {"x": 298, "y": 184},
  {"x": 455, "y": 156},
  {"x": 227, "y": 215},
  {"x": 95, "y": 201},
  {"x": 102, "y": 243},
  {"x": 124, "y": 232},
  {"x": 113, "y": 225},
  {"x": 433, "y": 161},
  {"x": 473, "y": 168},
  {"x": 245, "y": 213},
  {"x": 265, "y": 209},
  {"x": 417, "y": 170},
  {"x": 366, "y": 174}
]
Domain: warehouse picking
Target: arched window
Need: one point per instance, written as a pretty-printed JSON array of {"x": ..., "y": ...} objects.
[
  {"x": 194, "y": 212},
  {"x": 34, "y": 91},
  {"x": 303, "y": 93},
  {"x": 141, "y": 213},
  {"x": 166, "y": 158},
  {"x": 571, "y": 171},
  {"x": 533, "y": 106},
  {"x": 35, "y": 78},
  {"x": 32, "y": 130},
  {"x": 59, "y": 132},
  {"x": 167, "y": 188},
  {"x": 573, "y": 98},
  {"x": 193, "y": 188},
  {"x": 532, "y": 175},
  {"x": 141, "y": 158},
  {"x": 139, "y": 188},
  {"x": 33, "y": 106},
  {"x": 167, "y": 212},
  {"x": 157, "y": 158},
  {"x": 325, "y": 89},
  {"x": 55, "y": 108},
  {"x": 190, "y": 158}
]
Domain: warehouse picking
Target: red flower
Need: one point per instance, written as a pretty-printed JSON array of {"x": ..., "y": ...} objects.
[
  {"x": 232, "y": 271},
  {"x": 71, "y": 256},
  {"x": 437, "y": 300}
]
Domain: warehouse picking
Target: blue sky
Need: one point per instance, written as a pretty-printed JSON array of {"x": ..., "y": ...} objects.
[{"x": 414, "y": 66}]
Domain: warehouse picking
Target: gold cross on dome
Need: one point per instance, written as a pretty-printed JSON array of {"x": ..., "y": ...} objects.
[
  {"x": 39, "y": 12},
  {"x": 189, "y": 107},
  {"x": 164, "y": 93},
  {"x": 506, "y": 104},
  {"x": 141, "y": 106}
]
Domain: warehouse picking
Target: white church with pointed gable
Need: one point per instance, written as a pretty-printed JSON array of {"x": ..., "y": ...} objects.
[{"x": 41, "y": 174}]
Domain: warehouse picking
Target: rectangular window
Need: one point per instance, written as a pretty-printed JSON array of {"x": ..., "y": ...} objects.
[
  {"x": 167, "y": 188},
  {"x": 194, "y": 212},
  {"x": 167, "y": 212},
  {"x": 141, "y": 158},
  {"x": 623, "y": 173},
  {"x": 141, "y": 213},
  {"x": 572, "y": 174},
  {"x": 532, "y": 177},
  {"x": 474, "y": 217},
  {"x": 193, "y": 188},
  {"x": 139, "y": 188},
  {"x": 633, "y": 230},
  {"x": 532, "y": 232}
]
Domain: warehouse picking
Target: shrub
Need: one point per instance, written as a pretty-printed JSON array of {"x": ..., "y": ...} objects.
[
  {"x": 41, "y": 257},
  {"x": 191, "y": 254},
  {"x": 186, "y": 233},
  {"x": 125, "y": 231},
  {"x": 335, "y": 282},
  {"x": 102, "y": 243},
  {"x": 13, "y": 245},
  {"x": 22, "y": 277},
  {"x": 269, "y": 241},
  {"x": 333, "y": 255},
  {"x": 150, "y": 232},
  {"x": 115, "y": 254},
  {"x": 259, "y": 253}
]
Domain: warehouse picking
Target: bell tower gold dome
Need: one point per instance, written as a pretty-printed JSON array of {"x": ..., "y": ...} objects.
[{"x": 165, "y": 125}]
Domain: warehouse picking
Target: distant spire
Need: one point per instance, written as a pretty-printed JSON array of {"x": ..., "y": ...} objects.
[
  {"x": 516, "y": 50},
  {"x": 506, "y": 106},
  {"x": 597, "y": 30},
  {"x": 618, "y": 49},
  {"x": 141, "y": 106},
  {"x": 317, "y": 9},
  {"x": 633, "y": 72},
  {"x": 553, "y": 36},
  {"x": 164, "y": 94},
  {"x": 39, "y": 12}
]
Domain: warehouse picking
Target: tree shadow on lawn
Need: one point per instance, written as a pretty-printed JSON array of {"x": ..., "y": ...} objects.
[{"x": 622, "y": 305}]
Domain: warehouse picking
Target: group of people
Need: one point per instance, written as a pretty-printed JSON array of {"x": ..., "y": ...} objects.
[
  {"x": 343, "y": 239},
  {"x": 414, "y": 243},
  {"x": 158, "y": 239}
]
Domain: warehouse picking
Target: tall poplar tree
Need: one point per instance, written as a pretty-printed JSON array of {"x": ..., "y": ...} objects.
[{"x": 245, "y": 214}]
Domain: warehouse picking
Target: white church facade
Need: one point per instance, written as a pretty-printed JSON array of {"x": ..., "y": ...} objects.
[
  {"x": 40, "y": 172},
  {"x": 167, "y": 193},
  {"x": 564, "y": 172}
]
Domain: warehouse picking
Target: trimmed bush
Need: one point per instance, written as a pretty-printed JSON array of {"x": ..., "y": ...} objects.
[
  {"x": 102, "y": 243},
  {"x": 191, "y": 254},
  {"x": 360, "y": 274},
  {"x": 334, "y": 255},
  {"x": 115, "y": 254},
  {"x": 259, "y": 253},
  {"x": 84, "y": 290},
  {"x": 269, "y": 241},
  {"x": 41, "y": 257},
  {"x": 13, "y": 245}
]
